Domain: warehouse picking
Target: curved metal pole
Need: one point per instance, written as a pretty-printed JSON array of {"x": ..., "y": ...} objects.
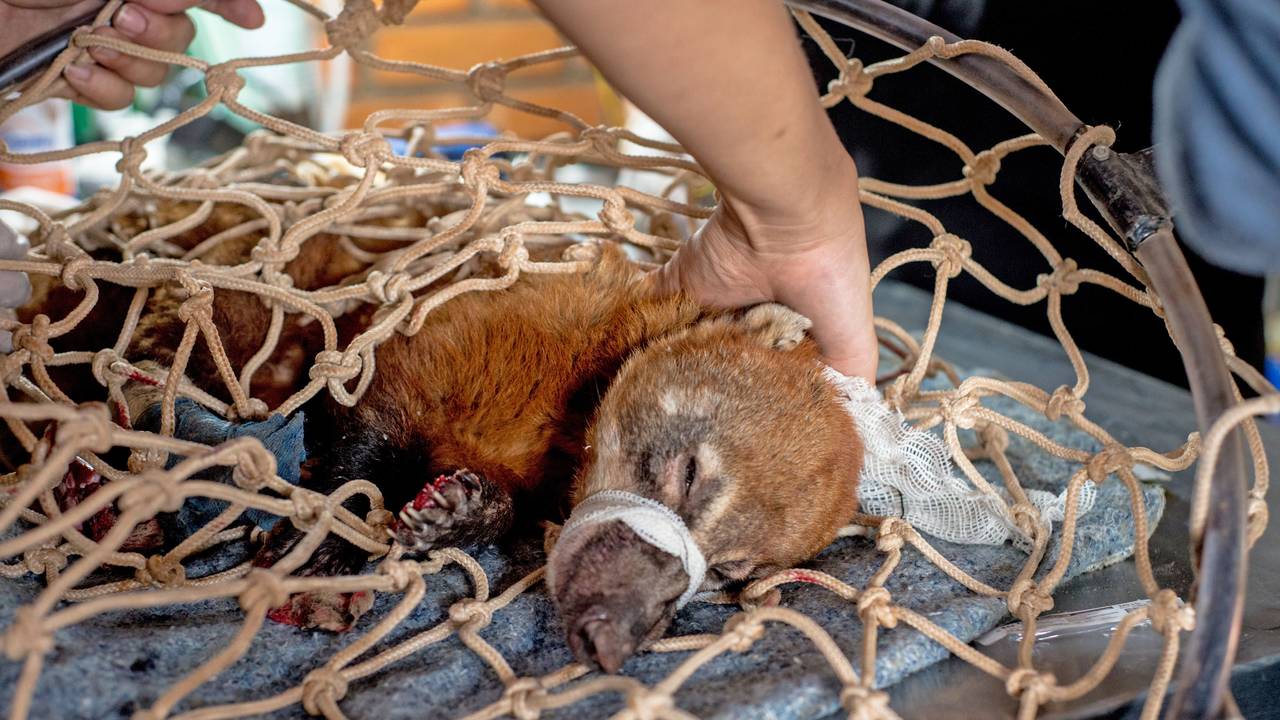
[{"x": 1123, "y": 189}]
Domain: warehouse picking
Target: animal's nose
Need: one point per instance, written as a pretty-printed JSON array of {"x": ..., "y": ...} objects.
[{"x": 597, "y": 638}]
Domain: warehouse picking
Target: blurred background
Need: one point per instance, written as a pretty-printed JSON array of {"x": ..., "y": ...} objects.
[{"x": 1099, "y": 57}]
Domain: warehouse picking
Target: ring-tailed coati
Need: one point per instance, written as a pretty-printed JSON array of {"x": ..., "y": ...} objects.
[{"x": 518, "y": 404}]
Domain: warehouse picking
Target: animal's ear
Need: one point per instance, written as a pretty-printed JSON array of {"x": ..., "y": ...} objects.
[{"x": 775, "y": 326}]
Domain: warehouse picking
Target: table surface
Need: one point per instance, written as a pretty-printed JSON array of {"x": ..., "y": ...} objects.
[{"x": 1137, "y": 410}]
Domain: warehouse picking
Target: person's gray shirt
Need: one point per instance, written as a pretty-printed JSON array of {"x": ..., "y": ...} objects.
[{"x": 1217, "y": 131}]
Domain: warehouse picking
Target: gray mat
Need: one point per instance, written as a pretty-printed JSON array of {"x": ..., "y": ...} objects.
[{"x": 109, "y": 666}]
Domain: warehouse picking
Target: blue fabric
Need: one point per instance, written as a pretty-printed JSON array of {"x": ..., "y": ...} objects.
[
  {"x": 280, "y": 435},
  {"x": 1217, "y": 131}
]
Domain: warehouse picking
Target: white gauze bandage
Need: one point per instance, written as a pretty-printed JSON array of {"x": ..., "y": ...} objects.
[
  {"x": 907, "y": 473},
  {"x": 654, "y": 522}
]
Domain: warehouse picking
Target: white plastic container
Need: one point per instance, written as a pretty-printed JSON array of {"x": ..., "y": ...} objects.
[{"x": 42, "y": 127}]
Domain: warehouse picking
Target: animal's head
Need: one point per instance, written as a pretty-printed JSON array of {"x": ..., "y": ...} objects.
[{"x": 732, "y": 425}]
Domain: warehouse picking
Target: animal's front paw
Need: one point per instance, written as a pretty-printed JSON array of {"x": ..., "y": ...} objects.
[
  {"x": 444, "y": 513},
  {"x": 323, "y": 610},
  {"x": 776, "y": 326}
]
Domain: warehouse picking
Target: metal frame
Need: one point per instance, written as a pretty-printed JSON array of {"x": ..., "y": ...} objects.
[{"x": 1123, "y": 189}]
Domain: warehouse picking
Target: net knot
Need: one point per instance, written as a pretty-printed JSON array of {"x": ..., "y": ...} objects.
[
  {"x": 156, "y": 492},
  {"x": 895, "y": 393},
  {"x": 91, "y": 428},
  {"x": 745, "y": 630},
  {"x": 255, "y": 467},
  {"x": 648, "y": 704},
  {"x": 379, "y": 519},
  {"x": 27, "y": 634},
  {"x": 401, "y": 572},
  {"x": 1064, "y": 280},
  {"x": 1108, "y": 460},
  {"x": 132, "y": 155},
  {"x": 102, "y": 369},
  {"x": 162, "y": 571},
  {"x": 477, "y": 172},
  {"x": 74, "y": 273},
  {"x": 309, "y": 508},
  {"x": 198, "y": 307},
  {"x": 603, "y": 139},
  {"x": 957, "y": 408},
  {"x": 864, "y": 703},
  {"x": 143, "y": 459},
  {"x": 891, "y": 535},
  {"x": 983, "y": 169},
  {"x": 1026, "y": 595},
  {"x": 853, "y": 81},
  {"x": 357, "y": 21},
  {"x": 388, "y": 288},
  {"x": 1026, "y": 517},
  {"x": 34, "y": 338},
  {"x": 333, "y": 365},
  {"x": 1063, "y": 401},
  {"x": 487, "y": 80},
  {"x": 616, "y": 217},
  {"x": 1169, "y": 614},
  {"x": 274, "y": 255},
  {"x": 955, "y": 251},
  {"x": 514, "y": 253},
  {"x": 44, "y": 559},
  {"x": 995, "y": 439},
  {"x": 1036, "y": 685},
  {"x": 523, "y": 694},
  {"x": 223, "y": 81},
  {"x": 874, "y": 605},
  {"x": 470, "y": 613},
  {"x": 255, "y": 409},
  {"x": 364, "y": 149},
  {"x": 322, "y": 684},
  {"x": 264, "y": 589}
]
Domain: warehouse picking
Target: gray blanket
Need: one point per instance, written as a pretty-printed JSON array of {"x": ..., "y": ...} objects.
[{"x": 109, "y": 666}]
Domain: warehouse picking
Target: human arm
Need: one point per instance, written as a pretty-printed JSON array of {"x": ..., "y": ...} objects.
[
  {"x": 109, "y": 81},
  {"x": 728, "y": 80}
]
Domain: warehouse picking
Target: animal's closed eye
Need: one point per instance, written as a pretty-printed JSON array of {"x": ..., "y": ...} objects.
[{"x": 690, "y": 473}]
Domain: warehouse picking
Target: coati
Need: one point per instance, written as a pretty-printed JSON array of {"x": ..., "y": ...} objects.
[{"x": 518, "y": 404}]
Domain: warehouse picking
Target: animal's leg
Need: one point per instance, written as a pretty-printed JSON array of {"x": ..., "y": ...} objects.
[
  {"x": 321, "y": 609},
  {"x": 458, "y": 508},
  {"x": 326, "y": 610}
]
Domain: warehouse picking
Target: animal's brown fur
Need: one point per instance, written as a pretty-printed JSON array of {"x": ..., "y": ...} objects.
[{"x": 557, "y": 387}]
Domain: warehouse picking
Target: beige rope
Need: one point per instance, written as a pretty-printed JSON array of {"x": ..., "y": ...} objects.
[{"x": 480, "y": 236}]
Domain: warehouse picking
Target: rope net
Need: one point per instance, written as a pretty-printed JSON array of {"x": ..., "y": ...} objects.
[{"x": 422, "y": 230}]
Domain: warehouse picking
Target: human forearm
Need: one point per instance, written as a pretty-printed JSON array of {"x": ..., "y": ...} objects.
[{"x": 728, "y": 79}]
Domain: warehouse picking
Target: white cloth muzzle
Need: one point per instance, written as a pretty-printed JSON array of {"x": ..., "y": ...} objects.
[{"x": 654, "y": 522}]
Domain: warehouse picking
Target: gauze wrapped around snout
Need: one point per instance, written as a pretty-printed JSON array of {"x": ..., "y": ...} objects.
[{"x": 652, "y": 521}]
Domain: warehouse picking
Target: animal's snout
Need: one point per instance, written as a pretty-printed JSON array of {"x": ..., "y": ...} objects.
[
  {"x": 599, "y": 637},
  {"x": 615, "y": 592}
]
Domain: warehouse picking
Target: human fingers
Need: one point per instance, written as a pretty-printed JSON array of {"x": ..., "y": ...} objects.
[
  {"x": 245, "y": 13},
  {"x": 170, "y": 33},
  {"x": 97, "y": 86}
]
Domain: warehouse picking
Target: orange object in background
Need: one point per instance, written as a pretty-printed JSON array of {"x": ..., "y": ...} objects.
[{"x": 42, "y": 127}]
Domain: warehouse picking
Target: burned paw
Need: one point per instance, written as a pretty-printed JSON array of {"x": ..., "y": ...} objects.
[
  {"x": 323, "y": 610},
  {"x": 446, "y": 512}
]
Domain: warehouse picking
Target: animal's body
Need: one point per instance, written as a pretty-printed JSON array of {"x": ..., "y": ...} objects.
[{"x": 522, "y": 402}]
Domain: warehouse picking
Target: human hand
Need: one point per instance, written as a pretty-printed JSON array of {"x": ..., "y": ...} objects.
[
  {"x": 814, "y": 263},
  {"x": 109, "y": 81},
  {"x": 15, "y": 287}
]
